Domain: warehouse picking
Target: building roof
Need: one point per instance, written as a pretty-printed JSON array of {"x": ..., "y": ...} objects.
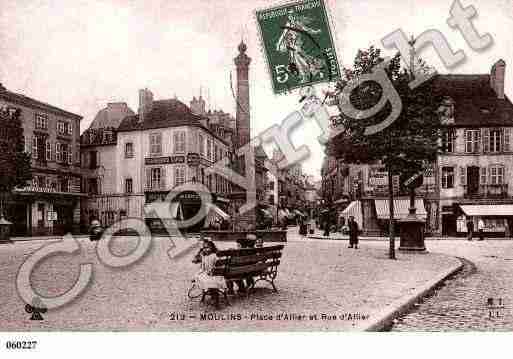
[
  {"x": 30, "y": 102},
  {"x": 112, "y": 115},
  {"x": 475, "y": 102},
  {"x": 163, "y": 114}
]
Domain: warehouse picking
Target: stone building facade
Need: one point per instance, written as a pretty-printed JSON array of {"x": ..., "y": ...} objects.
[
  {"x": 51, "y": 203},
  {"x": 470, "y": 181}
]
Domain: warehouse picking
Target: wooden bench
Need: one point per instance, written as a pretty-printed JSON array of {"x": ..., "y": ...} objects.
[{"x": 261, "y": 264}]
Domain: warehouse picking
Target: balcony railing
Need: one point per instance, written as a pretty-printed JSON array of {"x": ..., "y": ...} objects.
[
  {"x": 487, "y": 191},
  {"x": 156, "y": 187}
]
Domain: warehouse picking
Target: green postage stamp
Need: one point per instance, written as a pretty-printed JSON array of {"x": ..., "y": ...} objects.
[{"x": 298, "y": 44}]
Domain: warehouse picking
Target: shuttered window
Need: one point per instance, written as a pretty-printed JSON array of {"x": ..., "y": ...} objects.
[
  {"x": 496, "y": 175},
  {"x": 483, "y": 179},
  {"x": 505, "y": 136},
  {"x": 179, "y": 142},
  {"x": 48, "y": 150},
  {"x": 472, "y": 138},
  {"x": 463, "y": 176},
  {"x": 155, "y": 144},
  {"x": 201, "y": 141},
  {"x": 179, "y": 175}
]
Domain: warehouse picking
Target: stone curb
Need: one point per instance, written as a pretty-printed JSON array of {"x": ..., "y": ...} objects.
[{"x": 384, "y": 318}]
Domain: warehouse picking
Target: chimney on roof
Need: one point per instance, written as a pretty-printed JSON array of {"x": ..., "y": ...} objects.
[
  {"x": 145, "y": 103},
  {"x": 497, "y": 75},
  {"x": 198, "y": 106}
]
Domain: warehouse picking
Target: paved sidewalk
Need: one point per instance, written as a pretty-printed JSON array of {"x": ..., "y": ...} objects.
[
  {"x": 45, "y": 238},
  {"x": 350, "y": 287}
]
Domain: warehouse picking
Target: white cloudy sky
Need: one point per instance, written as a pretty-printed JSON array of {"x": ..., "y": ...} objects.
[{"x": 79, "y": 55}]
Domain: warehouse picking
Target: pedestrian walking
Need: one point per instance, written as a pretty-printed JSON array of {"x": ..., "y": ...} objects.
[
  {"x": 353, "y": 233},
  {"x": 480, "y": 227},
  {"x": 327, "y": 224},
  {"x": 470, "y": 229}
]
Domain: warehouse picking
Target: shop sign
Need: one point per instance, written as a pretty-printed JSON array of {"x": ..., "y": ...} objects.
[
  {"x": 378, "y": 178},
  {"x": 52, "y": 216},
  {"x": 164, "y": 160},
  {"x": 189, "y": 196},
  {"x": 193, "y": 159}
]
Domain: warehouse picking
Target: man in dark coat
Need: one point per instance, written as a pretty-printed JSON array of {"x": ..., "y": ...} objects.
[
  {"x": 327, "y": 223},
  {"x": 353, "y": 233},
  {"x": 470, "y": 229}
]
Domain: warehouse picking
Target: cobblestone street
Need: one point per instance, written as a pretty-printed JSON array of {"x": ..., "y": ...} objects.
[
  {"x": 315, "y": 277},
  {"x": 462, "y": 303}
]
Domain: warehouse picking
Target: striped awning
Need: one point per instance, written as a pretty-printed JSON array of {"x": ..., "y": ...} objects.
[
  {"x": 215, "y": 214},
  {"x": 401, "y": 208},
  {"x": 487, "y": 210},
  {"x": 354, "y": 209}
]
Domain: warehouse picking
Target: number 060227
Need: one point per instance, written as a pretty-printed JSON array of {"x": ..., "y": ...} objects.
[{"x": 20, "y": 344}]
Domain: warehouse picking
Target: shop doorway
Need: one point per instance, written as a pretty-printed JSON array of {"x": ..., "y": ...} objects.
[{"x": 449, "y": 225}]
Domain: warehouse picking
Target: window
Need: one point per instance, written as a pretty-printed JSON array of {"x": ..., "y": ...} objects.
[
  {"x": 179, "y": 175},
  {"x": 58, "y": 152},
  {"x": 93, "y": 159},
  {"x": 41, "y": 121},
  {"x": 494, "y": 140},
  {"x": 496, "y": 175},
  {"x": 69, "y": 129},
  {"x": 129, "y": 150},
  {"x": 483, "y": 176},
  {"x": 201, "y": 141},
  {"x": 463, "y": 176},
  {"x": 215, "y": 153},
  {"x": 128, "y": 185},
  {"x": 179, "y": 141},
  {"x": 65, "y": 185},
  {"x": 209, "y": 149},
  {"x": 472, "y": 141},
  {"x": 447, "y": 177},
  {"x": 48, "y": 151},
  {"x": 155, "y": 144},
  {"x": 449, "y": 140},
  {"x": 61, "y": 128},
  {"x": 93, "y": 185},
  {"x": 63, "y": 152},
  {"x": 34, "y": 148},
  {"x": 156, "y": 177}
]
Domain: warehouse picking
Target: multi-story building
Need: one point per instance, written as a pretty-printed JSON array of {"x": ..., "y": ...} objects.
[
  {"x": 474, "y": 173},
  {"x": 145, "y": 158},
  {"x": 469, "y": 181},
  {"x": 51, "y": 203},
  {"x": 149, "y": 155}
]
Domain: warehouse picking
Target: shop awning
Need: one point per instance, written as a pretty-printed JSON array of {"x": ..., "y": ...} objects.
[
  {"x": 487, "y": 210},
  {"x": 354, "y": 209},
  {"x": 341, "y": 200},
  {"x": 215, "y": 214},
  {"x": 401, "y": 208},
  {"x": 163, "y": 210}
]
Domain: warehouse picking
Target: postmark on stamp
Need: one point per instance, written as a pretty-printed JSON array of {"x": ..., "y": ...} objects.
[{"x": 298, "y": 44}]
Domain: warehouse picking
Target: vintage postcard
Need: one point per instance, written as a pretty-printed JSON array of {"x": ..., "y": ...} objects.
[{"x": 255, "y": 166}]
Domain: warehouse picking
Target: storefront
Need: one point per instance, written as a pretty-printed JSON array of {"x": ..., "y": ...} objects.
[
  {"x": 401, "y": 211},
  {"x": 497, "y": 218},
  {"x": 354, "y": 209},
  {"x": 35, "y": 212},
  {"x": 161, "y": 215}
]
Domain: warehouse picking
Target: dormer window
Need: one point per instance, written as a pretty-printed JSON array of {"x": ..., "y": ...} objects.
[{"x": 446, "y": 111}]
